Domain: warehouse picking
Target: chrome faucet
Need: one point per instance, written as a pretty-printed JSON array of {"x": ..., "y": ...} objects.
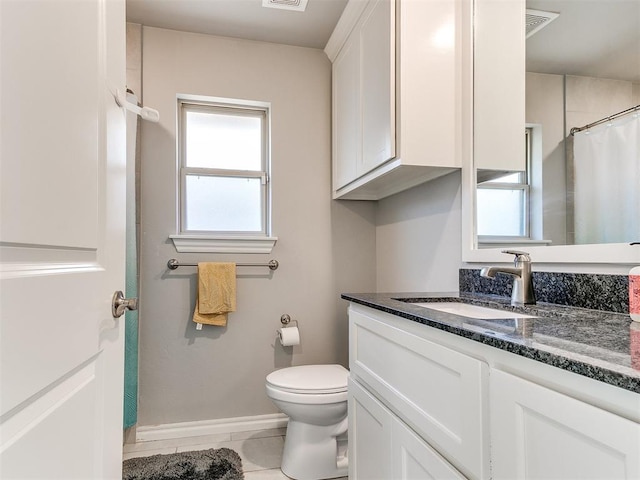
[{"x": 522, "y": 291}]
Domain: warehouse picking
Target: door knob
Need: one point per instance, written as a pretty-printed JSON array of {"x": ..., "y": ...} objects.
[{"x": 120, "y": 304}]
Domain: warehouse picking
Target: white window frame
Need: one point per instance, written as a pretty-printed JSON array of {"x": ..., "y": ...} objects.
[
  {"x": 223, "y": 241},
  {"x": 524, "y": 185}
]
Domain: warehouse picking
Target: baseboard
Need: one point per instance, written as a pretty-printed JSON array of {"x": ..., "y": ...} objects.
[
  {"x": 129, "y": 435},
  {"x": 210, "y": 427}
]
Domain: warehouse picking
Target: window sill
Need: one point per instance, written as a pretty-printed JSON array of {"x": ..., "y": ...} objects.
[
  {"x": 493, "y": 242},
  {"x": 212, "y": 244}
]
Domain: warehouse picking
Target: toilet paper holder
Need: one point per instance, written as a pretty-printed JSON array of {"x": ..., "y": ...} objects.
[{"x": 285, "y": 320}]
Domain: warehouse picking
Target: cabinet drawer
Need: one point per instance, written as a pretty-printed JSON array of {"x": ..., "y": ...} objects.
[{"x": 439, "y": 392}]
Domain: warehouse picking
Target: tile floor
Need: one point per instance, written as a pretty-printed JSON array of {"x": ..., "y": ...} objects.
[{"x": 260, "y": 451}]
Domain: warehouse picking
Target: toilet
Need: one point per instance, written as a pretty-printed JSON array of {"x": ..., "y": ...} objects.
[{"x": 315, "y": 399}]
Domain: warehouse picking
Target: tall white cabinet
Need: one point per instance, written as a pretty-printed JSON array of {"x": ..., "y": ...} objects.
[{"x": 397, "y": 94}]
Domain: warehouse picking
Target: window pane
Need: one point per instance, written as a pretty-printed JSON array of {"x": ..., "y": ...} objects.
[
  {"x": 509, "y": 178},
  {"x": 501, "y": 212},
  {"x": 217, "y": 140},
  {"x": 223, "y": 204}
]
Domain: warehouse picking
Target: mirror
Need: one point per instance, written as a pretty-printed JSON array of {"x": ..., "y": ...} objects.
[{"x": 581, "y": 66}]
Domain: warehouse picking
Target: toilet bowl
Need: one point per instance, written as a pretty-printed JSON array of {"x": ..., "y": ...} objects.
[{"x": 315, "y": 399}]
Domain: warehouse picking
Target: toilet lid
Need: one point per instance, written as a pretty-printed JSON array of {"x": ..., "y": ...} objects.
[{"x": 310, "y": 379}]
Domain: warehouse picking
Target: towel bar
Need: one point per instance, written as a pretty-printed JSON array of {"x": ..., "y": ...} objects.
[{"x": 272, "y": 264}]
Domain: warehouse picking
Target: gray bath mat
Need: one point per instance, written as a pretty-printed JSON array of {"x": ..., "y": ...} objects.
[{"x": 212, "y": 464}]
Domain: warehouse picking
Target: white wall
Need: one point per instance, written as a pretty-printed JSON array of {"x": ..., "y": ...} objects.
[
  {"x": 134, "y": 58},
  {"x": 324, "y": 248},
  {"x": 545, "y": 107},
  {"x": 589, "y": 99},
  {"x": 418, "y": 241},
  {"x": 408, "y": 242}
]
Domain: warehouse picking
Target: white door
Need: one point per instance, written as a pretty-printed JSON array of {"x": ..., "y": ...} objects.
[{"x": 62, "y": 221}]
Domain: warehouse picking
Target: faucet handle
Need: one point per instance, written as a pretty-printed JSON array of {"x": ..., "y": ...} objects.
[{"x": 520, "y": 256}]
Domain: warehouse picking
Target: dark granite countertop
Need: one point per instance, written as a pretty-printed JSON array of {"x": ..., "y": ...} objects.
[{"x": 593, "y": 343}]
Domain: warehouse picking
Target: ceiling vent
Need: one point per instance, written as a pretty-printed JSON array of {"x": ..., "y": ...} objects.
[
  {"x": 298, "y": 5},
  {"x": 536, "y": 20}
]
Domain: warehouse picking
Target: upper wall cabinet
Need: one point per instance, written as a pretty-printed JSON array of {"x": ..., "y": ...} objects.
[
  {"x": 499, "y": 85},
  {"x": 396, "y": 95},
  {"x": 364, "y": 95}
]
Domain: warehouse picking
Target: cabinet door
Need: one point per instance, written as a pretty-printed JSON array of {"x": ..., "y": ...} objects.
[
  {"x": 377, "y": 80},
  {"x": 346, "y": 113},
  {"x": 438, "y": 391},
  {"x": 414, "y": 459},
  {"x": 369, "y": 436},
  {"x": 542, "y": 434},
  {"x": 499, "y": 85}
]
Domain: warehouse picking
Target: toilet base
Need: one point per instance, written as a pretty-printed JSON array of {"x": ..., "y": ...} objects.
[{"x": 313, "y": 452}]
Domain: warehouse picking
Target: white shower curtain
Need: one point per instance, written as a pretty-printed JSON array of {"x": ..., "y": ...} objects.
[{"x": 607, "y": 182}]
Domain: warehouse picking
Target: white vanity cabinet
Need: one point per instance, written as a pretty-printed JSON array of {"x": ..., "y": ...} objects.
[
  {"x": 424, "y": 403},
  {"x": 397, "y": 75},
  {"x": 370, "y": 426},
  {"x": 384, "y": 447},
  {"x": 430, "y": 389},
  {"x": 537, "y": 433}
]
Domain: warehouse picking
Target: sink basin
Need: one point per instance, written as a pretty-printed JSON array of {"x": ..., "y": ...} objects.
[{"x": 471, "y": 311}]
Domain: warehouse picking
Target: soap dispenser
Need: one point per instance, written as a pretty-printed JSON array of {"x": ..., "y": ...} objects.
[{"x": 634, "y": 294}]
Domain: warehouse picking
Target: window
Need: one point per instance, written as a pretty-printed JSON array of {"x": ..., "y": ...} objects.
[
  {"x": 503, "y": 202},
  {"x": 223, "y": 154}
]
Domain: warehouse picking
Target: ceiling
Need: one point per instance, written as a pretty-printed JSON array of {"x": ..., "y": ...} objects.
[
  {"x": 599, "y": 38},
  {"x": 242, "y": 19},
  {"x": 596, "y": 38}
]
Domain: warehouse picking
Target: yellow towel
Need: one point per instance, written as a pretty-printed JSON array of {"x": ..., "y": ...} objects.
[{"x": 216, "y": 293}]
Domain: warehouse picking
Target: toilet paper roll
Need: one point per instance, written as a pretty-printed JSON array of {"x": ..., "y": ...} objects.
[{"x": 289, "y": 336}]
